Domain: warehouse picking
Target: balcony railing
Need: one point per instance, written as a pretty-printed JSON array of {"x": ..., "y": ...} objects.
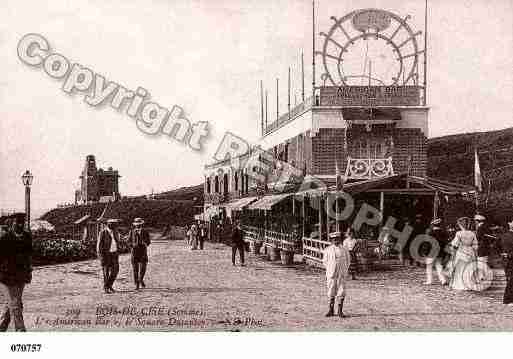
[{"x": 369, "y": 168}]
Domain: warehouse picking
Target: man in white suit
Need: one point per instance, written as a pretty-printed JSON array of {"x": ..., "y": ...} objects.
[{"x": 336, "y": 259}]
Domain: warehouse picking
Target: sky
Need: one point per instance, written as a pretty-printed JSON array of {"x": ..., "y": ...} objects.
[{"x": 208, "y": 57}]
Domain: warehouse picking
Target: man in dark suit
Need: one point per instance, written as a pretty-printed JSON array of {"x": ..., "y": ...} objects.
[
  {"x": 506, "y": 249},
  {"x": 108, "y": 244},
  {"x": 139, "y": 240},
  {"x": 15, "y": 271},
  {"x": 237, "y": 243}
]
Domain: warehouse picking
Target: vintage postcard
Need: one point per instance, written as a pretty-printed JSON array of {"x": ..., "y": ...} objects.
[{"x": 256, "y": 166}]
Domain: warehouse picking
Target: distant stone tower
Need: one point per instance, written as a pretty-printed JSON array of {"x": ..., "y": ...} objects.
[
  {"x": 97, "y": 184},
  {"x": 89, "y": 177}
]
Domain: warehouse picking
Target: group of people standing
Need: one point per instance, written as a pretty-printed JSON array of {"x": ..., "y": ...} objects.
[
  {"x": 196, "y": 235},
  {"x": 462, "y": 259}
]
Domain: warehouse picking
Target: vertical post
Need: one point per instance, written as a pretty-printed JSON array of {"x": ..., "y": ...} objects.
[
  {"x": 327, "y": 218},
  {"x": 277, "y": 100},
  {"x": 313, "y": 52},
  {"x": 435, "y": 205},
  {"x": 293, "y": 205},
  {"x": 27, "y": 207},
  {"x": 425, "y": 51},
  {"x": 302, "y": 77},
  {"x": 303, "y": 210},
  {"x": 266, "y": 111},
  {"x": 320, "y": 217},
  {"x": 289, "y": 94},
  {"x": 370, "y": 72},
  {"x": 262, "y": 106},
  {"x": 337, "y": 222},
  {"x": 382, "y": 205}
]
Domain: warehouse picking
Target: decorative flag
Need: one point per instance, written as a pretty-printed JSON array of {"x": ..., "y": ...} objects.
[{"x": 478, "y": 179}]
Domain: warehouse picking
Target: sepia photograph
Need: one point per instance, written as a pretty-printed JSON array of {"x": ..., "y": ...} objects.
[{"x": 255, "y": 166}]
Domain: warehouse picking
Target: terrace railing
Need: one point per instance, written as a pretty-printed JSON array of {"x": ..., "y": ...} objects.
[
  {"x": 312, "y": 249},
  {"x": 283, "y": 241},
  {"x": 369, "y": 168}
]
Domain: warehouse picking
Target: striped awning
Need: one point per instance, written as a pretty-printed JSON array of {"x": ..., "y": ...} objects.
[{"x": 268, "y": 202}]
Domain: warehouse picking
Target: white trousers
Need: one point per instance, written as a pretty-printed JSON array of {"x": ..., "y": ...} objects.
[
  {"x": 336, "y": 287},
  {"x": 437, "y": 263}
]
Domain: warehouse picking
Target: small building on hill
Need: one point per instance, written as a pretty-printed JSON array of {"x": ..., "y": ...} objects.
[{"x": 97, "y": 184}]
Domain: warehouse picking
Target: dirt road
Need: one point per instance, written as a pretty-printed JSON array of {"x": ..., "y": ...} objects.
[{"x": 201, "y": 290}]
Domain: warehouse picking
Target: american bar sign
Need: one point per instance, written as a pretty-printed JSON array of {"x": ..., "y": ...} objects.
[{"x": 370, "y": 96}]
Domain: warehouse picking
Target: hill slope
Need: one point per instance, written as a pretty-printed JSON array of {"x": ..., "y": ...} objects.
[{"x": 452, "y": 158}]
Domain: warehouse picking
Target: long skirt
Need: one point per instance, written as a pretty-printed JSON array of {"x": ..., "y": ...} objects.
[
  {"x": 193, "y": 242},
  {"x": 464, "y": 269}
]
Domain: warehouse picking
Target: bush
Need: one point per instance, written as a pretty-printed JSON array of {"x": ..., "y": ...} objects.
[{"x": 50, "y": 249}]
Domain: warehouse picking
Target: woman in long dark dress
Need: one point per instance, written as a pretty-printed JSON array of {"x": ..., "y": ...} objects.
[{"x": 15, "y": 271}]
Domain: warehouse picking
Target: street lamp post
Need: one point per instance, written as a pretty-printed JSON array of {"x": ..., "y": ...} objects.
[{"x": 27, "y": 182}]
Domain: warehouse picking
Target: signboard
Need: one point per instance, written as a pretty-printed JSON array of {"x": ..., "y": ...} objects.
[
  {"x": 370, "y": 96},
  {"x": 378, "y": 20}
]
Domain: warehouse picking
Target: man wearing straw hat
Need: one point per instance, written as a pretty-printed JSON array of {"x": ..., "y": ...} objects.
[
  {"x": 336, "y": 259},
  {"x": 107, "y": 248},
  {"x": 139, "y": 240}
]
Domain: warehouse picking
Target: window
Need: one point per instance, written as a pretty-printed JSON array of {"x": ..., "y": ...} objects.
[
  {"x": 225, "y": 183},
  {"x": 236, "y": 180},
  {"x": 208, "y": 185},
  {"x": 216, "y": 184}
]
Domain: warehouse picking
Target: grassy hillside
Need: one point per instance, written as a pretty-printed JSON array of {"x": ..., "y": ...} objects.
[
  {"x": 452, "y": 158},
  {"x": 156, "y": 213}
]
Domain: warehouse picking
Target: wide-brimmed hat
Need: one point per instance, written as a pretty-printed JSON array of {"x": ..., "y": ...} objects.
[
  {"x": 436, "y": 221},
  {"x": 138, "y": 221},
  {"x": 335, "y": 235},
  {"x": 479, "y": 217}
]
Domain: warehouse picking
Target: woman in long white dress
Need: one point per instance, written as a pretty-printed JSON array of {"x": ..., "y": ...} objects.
[{"x": 464, "y": 261}]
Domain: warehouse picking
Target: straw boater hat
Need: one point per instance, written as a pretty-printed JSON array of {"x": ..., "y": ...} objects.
[
  {"x": 335, "y": 235},
  {"x": 479, "y": 217},
  {"x": 436, "y": 221},
  {"x": 138, "y": 221},
  {"x": 113, "y": 221}
]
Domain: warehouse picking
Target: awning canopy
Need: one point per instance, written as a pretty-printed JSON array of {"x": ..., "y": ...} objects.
[
  {"x": 400, "y": 183},
  {"x": 268, "y": 202},
  {"x": 239, "y": 204}
]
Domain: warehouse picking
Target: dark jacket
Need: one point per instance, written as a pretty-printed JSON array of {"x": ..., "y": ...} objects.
[
  {"x": 138, "y": 242},
  {"x": 484, "y": 242},
  {"x": 506, "y": 243},
  {"x": 16, "y": 258},
  {"x": 442, "y": 237},
  {"x": 104, "y": 244},
  {"x": 141, "y": 240},
  {"x": 237, "y": 239}
]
